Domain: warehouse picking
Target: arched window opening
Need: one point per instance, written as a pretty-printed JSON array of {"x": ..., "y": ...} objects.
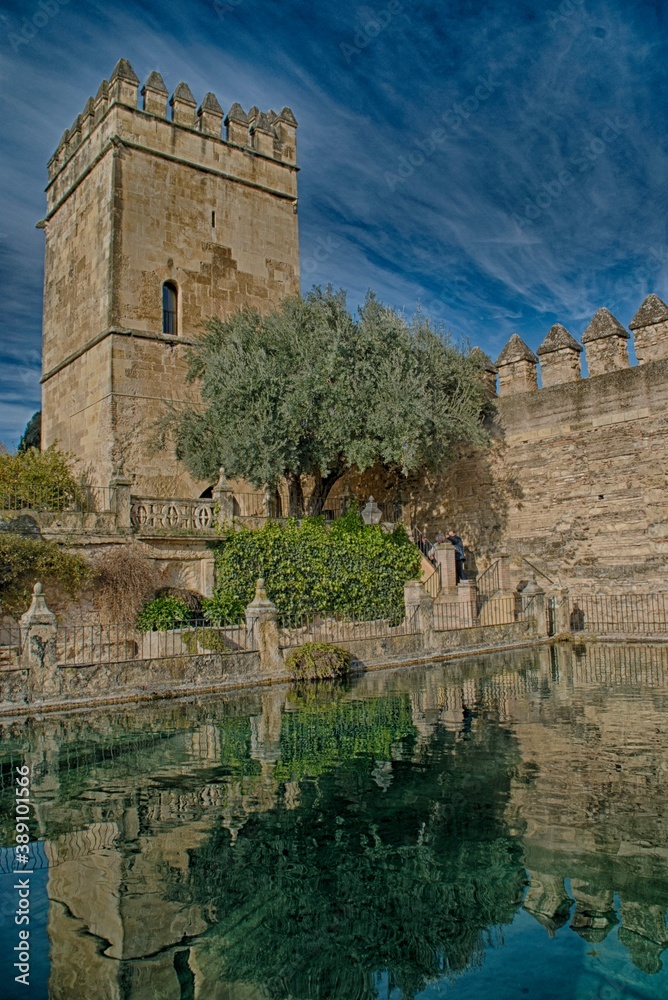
[{"x": 169, "y": 309}]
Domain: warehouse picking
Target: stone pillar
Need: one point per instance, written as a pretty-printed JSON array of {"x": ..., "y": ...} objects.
[
  {"x": 445, "y": 560},
  {"x": 650, "y": 330},
  {"x": 605, "y": 342},
  {"x": 559, "y": 357},
  {"x": 516, "y": 365},
  {"x": 223, "y": 498},
  {"x": 38, "y": 646},
  {"x": 505, "y": 586},
  {"x": 562, "y": 624},
  {"x": 539, "y": 607},
  {"x": 417, "y": 602},
  {"x": 262, "y": 631},
  {"x": 121, "y": 503}
]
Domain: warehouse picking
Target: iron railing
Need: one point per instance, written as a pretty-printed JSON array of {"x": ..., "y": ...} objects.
[
  {"x": 81, "y": 645},
  {"x": 620, "y": 614},
  {"x": 10, "y": 643},
  {"x": 489, "y": 582},
  {"x": 453, "y": 616},
  {"x": 80, "y": 499},
  {"x": 297, "y": 630}
]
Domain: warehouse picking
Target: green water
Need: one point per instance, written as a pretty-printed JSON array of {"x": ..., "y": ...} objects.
[{"x": 490, "y": 828}]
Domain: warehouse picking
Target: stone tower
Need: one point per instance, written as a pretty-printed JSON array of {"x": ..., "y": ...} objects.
[{"x": 154, "y": 224}]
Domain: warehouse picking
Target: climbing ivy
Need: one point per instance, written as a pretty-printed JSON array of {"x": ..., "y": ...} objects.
[{"x": 348, "y": 569}]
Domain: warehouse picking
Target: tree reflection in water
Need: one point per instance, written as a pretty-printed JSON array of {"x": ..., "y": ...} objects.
[{"x": 400, "y": 867}]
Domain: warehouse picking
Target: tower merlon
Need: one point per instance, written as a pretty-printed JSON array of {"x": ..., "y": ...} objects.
[
  {"x": 210, "y": 115},
  {"x": 605, "y": 344},
  {"x": 650, "y": 330},
  {"x": 155, "y": 95},
  {"x": 183, "y": 106},
  {"x": 517, "y": 368},
  {"x": 559, "y": 356}
]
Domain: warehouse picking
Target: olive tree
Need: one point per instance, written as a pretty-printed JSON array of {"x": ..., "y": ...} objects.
[{"x": 308, "y": 391}]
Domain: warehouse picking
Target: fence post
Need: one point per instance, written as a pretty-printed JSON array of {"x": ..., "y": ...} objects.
[
  {"x": 562, "y": 621},
  {"x": 122, "y": 503},
  {"x": 419, "y": 607},
  {"x": 262, "y": 620},
  {"x": 38, "y": 645},
  {"x": 534, "y": 589},
  {"x": 223, "y": 498}
]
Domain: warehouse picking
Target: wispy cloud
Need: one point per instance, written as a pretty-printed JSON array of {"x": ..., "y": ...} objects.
[{"x": 447, "y": 236}]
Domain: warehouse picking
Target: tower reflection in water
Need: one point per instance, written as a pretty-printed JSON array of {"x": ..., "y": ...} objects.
[{"x": 350, "y": 841}]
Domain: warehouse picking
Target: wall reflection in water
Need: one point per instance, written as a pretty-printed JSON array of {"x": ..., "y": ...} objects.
[{"x": 324, "y": 842}]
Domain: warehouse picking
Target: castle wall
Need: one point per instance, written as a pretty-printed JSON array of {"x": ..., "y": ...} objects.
[{"x": 575, "y": 481}]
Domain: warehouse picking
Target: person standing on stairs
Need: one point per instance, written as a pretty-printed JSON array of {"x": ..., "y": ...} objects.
[{"x": 460, "y": 557}]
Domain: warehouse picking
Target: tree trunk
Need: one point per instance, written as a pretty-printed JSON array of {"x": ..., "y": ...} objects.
[
  {"x": 295, "y": 495},
  {"x": 321, "y": 490}
]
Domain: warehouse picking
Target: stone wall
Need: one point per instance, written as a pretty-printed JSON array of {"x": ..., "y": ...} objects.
[{"x": 575, "y": 477}]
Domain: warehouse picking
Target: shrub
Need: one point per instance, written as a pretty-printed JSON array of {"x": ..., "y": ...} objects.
[
  {"x": 352, "y": 570},
  {"x": 318, "y": 661},
  {"x": 162, "y": 614},
  {"x": 125, "y": 581},
  {"x": 23, "y": 561},
  {"x": 224, "y": 609},
  {"x": 39, "y": 478}
]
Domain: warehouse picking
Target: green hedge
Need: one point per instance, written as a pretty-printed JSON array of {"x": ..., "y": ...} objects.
[{"x": 347, "y": 570}]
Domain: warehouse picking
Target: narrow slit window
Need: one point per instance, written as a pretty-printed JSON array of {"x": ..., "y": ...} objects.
[
  {"x": 213, "y": 219},
  {"x": 169, "y": 309}
]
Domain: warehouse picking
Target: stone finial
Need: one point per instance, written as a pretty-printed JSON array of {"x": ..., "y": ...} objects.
[
  {"x": 123, "y": 84},
  {"x": 650, "y": 330},
  {"x": 155, "y": 95},
  {"x": 183, "y": 106},
  {"x": 517, "y": 368},
  {"x": 210, "y": 115},
  {"x": 559, "y": 357},
  {"x": 38, "y": 634},
  {"x": 605, "y": 342},
  {"x": 489, "y": 370},
  {"x": 236, "y": 123}
]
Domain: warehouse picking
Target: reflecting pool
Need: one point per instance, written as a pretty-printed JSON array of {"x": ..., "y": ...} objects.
[{"x": 492, "y": 827}]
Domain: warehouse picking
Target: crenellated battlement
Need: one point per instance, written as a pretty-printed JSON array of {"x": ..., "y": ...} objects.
[
  {"x": 266, "y": 134},
  {"x": 604, "y": 343}
]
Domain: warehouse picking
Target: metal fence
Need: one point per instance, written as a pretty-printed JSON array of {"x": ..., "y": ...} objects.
[
  {"x": 505, "y": 611},
  {"x": 620, "y": 614},
  {"x": 295, "y": 631},
  {"x": 10, "y": 643},
  {"x": 81, "y": 499},
  {"x": 83, "y": 645}
]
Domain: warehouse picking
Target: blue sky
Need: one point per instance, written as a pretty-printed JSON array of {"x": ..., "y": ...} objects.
[{"x": 501, "y": 165}]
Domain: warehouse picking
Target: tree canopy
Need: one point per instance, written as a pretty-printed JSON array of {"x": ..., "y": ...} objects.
[{"x": 308, "y": 391}]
